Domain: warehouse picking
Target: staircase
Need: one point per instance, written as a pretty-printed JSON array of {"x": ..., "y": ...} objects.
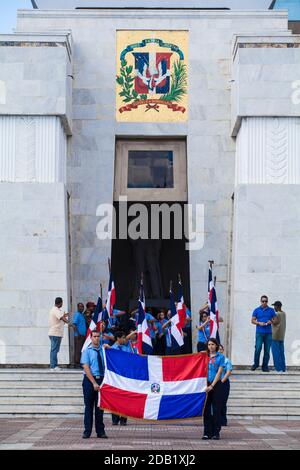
[
  {"x": 262, "y": 395},
  {"x": 39, "y": 392}
]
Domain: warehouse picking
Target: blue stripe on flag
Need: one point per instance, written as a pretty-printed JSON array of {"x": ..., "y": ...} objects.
[
  {"x": 181, "y": 406},
  {"x": 132, "y": 366}
]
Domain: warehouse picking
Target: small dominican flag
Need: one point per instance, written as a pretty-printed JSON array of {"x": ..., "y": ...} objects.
[
  {"x": 181, "y": 308},
  {"x": 144, "y": 342},
  {"x": 176, "y": 324},
  {"x": 94, "y": 325},
  {"x": 213, "y": 307},
  {"x": 111, "y": 297},
  {"x": 152, "y": 387}
]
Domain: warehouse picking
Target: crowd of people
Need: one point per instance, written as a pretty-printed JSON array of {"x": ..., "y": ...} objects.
[{"x": 120, "y": 332}]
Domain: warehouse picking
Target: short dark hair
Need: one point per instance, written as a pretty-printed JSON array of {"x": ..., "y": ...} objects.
[
  {"x": 119, "y": 334},
  {"x": 80, "y": 303},
  {"x": 58, "y": 301},
  {"x": 94, "y": 331},
  {"x": 213, "y": 340},
  {"x": 264, "y": 297}
]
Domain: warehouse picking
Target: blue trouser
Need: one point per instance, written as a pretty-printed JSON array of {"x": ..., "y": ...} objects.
[
  {"x": 266, "y": 340},
  {"x": 55, "y": 345},
  {"x": 278, "y": 355},
  {"x": 91, "y": 403}
]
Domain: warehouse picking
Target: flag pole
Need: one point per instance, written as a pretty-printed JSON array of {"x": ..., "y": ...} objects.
[
  {"x": 215, "y": 280},
  {"x": 109, "y": 265},
  {"x": 101, "y": 292}
]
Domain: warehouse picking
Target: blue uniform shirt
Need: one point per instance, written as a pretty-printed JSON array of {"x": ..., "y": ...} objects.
[
  {"x": 151, "y": 327},
  {"x": 79, "y": 321},
  {"x": 122, "y": 347},
  {"x": 168, "y": 336},
  {"x": 263, "y": 315},
  {"x": 188, "y": 314},
  {"x": 227, "y": 367},
  {"x": 213, "y": 365},
  {"x": 90, "y": 357},
  {"x": 203, "y": 336}
]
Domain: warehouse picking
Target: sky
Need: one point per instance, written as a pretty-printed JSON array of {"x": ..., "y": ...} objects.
[{"x": 8, "y": 13}]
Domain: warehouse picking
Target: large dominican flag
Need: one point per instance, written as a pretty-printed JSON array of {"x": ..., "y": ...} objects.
[
  {"x": 213, "y": 307},
  {"x": 144, "y": 342},
  {"x": 152, "y": 387}
]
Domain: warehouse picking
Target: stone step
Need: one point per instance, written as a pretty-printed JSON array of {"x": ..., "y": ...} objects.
[
  {"x": 42, "y": 400},
  {"x": 265, "y": 401},
  {"x": 62, "y": 409},
  {"x": 240, "y": 393},
  {"x": 262, "y": 411},
  {"x": 36, "y": 392}
]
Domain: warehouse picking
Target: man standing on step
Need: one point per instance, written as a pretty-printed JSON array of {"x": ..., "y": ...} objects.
[
  {"x": 57, "y": 320},
  {"x": 262, "y": 317},
  {"x": 79, "y": 327},
  {"x": 278, "y": 333},
  {"x": 93, "y": 366}
]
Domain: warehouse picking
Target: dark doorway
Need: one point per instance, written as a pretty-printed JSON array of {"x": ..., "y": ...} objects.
[{"x": 162, "y": 259}]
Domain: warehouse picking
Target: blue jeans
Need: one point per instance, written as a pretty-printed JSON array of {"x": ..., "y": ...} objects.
[
  {"x": 55, "y": 345},
  {"x": 266, "y": 340},
  {"x": 278, "y": 355}
]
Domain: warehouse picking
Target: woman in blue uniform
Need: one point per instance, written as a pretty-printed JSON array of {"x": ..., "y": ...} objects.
[{"x": 214, "y": 390}]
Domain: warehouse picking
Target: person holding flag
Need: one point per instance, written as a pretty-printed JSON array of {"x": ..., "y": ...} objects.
[
  {"x": 175, "y": 340},
  {"x": 212, "y": 305},
  {"x": 95, "y": 321},
  {"x": 144, "y": 342}
]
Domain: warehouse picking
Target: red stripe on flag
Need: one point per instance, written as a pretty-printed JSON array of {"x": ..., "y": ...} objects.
[
  {"x": 185, "y": 367},
  {"x": 122, "y": 402}
]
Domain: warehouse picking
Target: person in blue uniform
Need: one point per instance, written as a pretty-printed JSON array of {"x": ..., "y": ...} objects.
[
  {"x": 203, "y": 331},
  {"x": 214, "y": 390},
  {"x": 93, "y": 373},
  {"x": 227, "y": 370}
]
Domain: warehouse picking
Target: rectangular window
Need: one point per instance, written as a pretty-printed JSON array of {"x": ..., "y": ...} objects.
[{"x": 150, "y": 169}]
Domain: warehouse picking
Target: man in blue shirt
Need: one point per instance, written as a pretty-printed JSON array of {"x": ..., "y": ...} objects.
[
  {"x": 262, "y": 317},
  {"x": 93, "y": 366},
  {"x": 79, "y": 326}
]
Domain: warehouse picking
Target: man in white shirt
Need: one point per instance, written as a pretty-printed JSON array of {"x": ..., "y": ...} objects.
[{"x": 57, "y": 320}]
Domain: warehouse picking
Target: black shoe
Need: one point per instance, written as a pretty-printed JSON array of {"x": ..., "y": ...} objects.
[
  {"x": 266, "y": 370},
  {"x": 254, "y": 367},
  {"x": 85, "y": 435},
  {"x": 216, "y": 437},
  {"x": 102, "y": 436},
  {"x": 205, "y": 437},
  {"x": 115, "y": 424}
]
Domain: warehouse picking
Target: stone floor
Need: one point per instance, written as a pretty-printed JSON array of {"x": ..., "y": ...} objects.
[{"x": 65, "y": 433}]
